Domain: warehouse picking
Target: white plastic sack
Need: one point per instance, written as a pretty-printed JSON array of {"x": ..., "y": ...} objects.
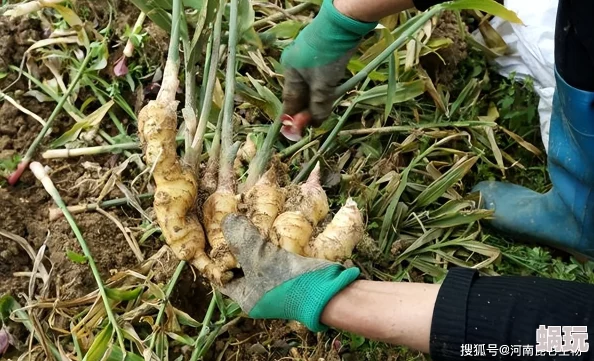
[{"x": 531, "y": 51}]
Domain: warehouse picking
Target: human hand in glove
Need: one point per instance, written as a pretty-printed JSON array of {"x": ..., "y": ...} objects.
[
  {"x": 278, "y": 284},
  {"x": 316, "y": 61}
]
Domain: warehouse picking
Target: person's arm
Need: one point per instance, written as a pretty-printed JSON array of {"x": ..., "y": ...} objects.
[
  {"x": 396, "y": 313},
  {"x": 362, "y": 11},
  {"x": 464, "y": 310}
]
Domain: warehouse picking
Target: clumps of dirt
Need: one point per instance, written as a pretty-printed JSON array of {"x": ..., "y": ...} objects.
[
  {"x": 20, "y": 215},
  {"x": 107, "y": 245},
  {"x": 16, "y": 35},
  {"x": 443, "y": 71},
  {"x": 17, "y": 130}
]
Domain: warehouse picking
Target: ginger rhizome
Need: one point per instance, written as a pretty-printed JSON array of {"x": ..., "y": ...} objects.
[{"x": 176, "y": 186}]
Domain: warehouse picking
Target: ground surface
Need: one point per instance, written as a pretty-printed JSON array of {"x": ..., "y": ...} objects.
[{"x": 24, "y": 209}]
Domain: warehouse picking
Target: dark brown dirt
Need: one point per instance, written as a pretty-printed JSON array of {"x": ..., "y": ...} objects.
[
  {"x": 15, "y": 37},
  {"x": 107, "y": 245},
  {"x": 443, "y": 71}
]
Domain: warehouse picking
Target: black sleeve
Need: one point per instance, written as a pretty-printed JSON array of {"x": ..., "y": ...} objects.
[
  {"x": 503, "y": 314},
  {"x": 426, "y": 4},
  {"x": 574, "y": 43}
]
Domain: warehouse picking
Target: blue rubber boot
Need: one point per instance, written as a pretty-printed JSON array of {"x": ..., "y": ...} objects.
[{"x": 564, "y": 217}]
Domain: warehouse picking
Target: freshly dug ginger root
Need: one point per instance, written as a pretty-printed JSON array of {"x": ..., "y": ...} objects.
[
  {"x": 292, "y": 231},
  {"x": 265, "y": 201},
  {"x": 314, "y": 203},
  {"x": 246, "y": 153},
  {"x": 340, "y": 237},
  {"x": 218, "y": 205},
  {"x": 176, "y": 187}
]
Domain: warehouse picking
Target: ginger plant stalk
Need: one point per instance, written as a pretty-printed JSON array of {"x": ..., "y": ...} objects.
[
  {"x": 224, "y": 201},
  {"x": 176, "y": 184},
  {"x": 195, "y": 150}
]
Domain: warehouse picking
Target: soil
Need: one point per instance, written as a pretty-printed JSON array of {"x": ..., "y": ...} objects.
[{"x": 443, "y": 68}]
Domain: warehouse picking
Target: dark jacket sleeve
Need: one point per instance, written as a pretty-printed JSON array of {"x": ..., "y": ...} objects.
[
  {"x": 478, "y": 318},
  {"x": 426, "y": 4}
]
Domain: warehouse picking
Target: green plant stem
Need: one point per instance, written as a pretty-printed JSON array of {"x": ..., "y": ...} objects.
[
  {"x": 112, "y": 115},
  {"x": 55, "y": 213},
  {"x": 176, "y": 12},
  {"x": 226, "y": 173},
  {"x": 406, "y": 128},
  {"x": 170, "y": 81},
  {"x": 40, "y": 173},
  {"x": 295, "y": 147},
  {"x": 260, "y": 161},
  {"x": 213, "y": 61},
  {"x": 170, "y": 287},
  {"x": 33, "y": 147},
  {"x": 198, "y": 345},
  {"x": 77, "y": 152}
]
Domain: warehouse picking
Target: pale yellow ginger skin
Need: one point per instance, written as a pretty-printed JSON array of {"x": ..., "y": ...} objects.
[
  {"x": 339, "y": 238},
  {"x": 264, "y": 202},
  {"x": 292, "y": 231},
  {"x": 246, "y": 153},
  {"x": 176, "y": 188},
  {"x": 314, "y": 204},
  {"x": 215, "y": 209}
]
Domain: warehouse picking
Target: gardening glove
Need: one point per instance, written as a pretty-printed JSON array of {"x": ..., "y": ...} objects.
[
  {"x": 278, "y": 284},
  {"x": 316, "y": 61}
]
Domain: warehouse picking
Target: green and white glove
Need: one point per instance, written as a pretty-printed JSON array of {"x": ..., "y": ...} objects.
[
  {"x": 316, "y": 61},
  {"x": 278, "y": 284}
]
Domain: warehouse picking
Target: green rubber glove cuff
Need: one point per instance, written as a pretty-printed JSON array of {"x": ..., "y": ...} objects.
[
  {"x": 304, "y": 298},
  {"x": 326, "y": 39}
]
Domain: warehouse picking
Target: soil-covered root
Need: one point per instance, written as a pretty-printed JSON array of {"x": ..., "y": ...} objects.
[
  {"x": 176, "y": 189},
  {"x": 340, "y": 237},
  {"x": 265, "y": 201}
]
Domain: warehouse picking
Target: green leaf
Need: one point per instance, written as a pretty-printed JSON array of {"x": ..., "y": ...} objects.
[
  {"x": 69, "y": 16},
  {"x": 185, "y": 319},
  {"x": 438, "y": 188},
  {"x": 7, "y": 305},
  {"x": 402, "y": 92},
  {"x": 391, "y": 87},
  {"x": 182, "y": 339},
  {"x": 100, "y": 345},
  {"x": 123, "y": 295},
  {"x": 91, "y": 120},
  {"x": 246, "y": 15},
  {"x": 100, "y": 54},
  {"x": 285, "y": 30},
  {"x": 273, "y": 107},
  {"x": 488, "y": 6},
  {"x": 195, "y": 4},
  {"x": 76, "y": 257}
]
